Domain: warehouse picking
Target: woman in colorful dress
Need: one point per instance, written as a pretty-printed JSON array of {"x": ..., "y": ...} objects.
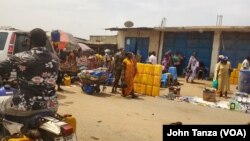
[
  {"x": 128, "y": 71},
  {"x": 193, "y": 64}
]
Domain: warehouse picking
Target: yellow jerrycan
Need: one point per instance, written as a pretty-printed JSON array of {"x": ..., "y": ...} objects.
[
  {"x": 71, "y": 120},
  {"x": 67, "y": 80}
]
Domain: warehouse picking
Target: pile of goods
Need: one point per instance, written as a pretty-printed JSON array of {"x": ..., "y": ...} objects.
[
  {"x": 92, "y": 79},
  {"x": 93, "y": 76},
  {"x": 241, "y": 102}
]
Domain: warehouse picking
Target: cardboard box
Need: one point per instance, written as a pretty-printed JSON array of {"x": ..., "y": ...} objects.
[{"x": 209, "y": 96}]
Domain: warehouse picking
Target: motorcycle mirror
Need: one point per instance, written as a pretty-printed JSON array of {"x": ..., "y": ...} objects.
[{"x": 7, "y": 86}]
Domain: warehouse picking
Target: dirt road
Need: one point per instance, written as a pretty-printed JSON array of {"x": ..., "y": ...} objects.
[{"x": 110, "y": 117}]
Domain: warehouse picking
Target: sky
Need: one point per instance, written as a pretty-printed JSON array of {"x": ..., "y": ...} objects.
[{"x": 83, "y": 18}]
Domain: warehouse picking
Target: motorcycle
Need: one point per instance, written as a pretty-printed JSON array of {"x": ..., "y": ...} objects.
[{"x": 45, "y": 126}]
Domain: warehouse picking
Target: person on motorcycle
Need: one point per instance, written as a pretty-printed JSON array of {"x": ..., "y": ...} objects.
[{"x": 37, "y": 71}]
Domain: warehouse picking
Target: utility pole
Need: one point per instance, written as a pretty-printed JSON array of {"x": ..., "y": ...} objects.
[
  {"x": 163, "y": 22},
  {"x": 219, "y": 20}
]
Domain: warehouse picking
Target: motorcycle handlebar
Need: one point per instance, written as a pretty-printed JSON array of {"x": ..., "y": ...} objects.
[{"x": 12, "y": 83}]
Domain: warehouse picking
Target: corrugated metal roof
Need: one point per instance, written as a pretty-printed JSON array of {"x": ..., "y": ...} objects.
[
  {"x": 204, "y": 28},
  {"x": 99, "y": 43},
  {"x": 187, "y": 28},
  {"x": 131, "y": 28}
]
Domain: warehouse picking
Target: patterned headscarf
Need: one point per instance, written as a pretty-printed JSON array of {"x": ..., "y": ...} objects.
[
  {"x": 225, "y": 58},
  {"x": 168, "y": 54},
  {"x": 221, "y": 58}
]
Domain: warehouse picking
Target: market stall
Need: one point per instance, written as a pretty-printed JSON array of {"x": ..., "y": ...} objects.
[{"x": 91, "y": 80}]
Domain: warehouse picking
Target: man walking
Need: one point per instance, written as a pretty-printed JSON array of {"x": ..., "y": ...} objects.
[
  {"x": 119, "y": 56},
  {"x": 152, "y": 58}
]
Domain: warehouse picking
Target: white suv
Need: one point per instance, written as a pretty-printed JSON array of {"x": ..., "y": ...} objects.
[{"x": 13, "y": 41}]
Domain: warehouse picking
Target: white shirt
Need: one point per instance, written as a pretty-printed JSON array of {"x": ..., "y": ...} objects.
[
  {"x": 152, "y": 59},
  {"x": 245, "y": 64}
]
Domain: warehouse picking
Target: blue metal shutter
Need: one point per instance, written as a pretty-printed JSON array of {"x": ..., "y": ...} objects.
[
  {"x": 142, "y": 48},
  {"x": 137, "y": 46},
  {"x": 130, "y": 44},
  {"x": 236, "y": 46},
  {"x": 187, "y": 43}
]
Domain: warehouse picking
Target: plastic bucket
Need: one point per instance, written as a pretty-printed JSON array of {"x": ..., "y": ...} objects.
[{"x": 244, "y": 81}]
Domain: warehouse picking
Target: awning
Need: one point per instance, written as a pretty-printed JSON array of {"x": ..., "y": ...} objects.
[{"x": 84, "y": 47}]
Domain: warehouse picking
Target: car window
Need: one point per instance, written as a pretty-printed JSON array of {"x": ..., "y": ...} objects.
[
  {"x": 3, "y": 38},
  {"x": 19, "y": 43},
  {"x": 21, "y": 46},
  {"x": 48, "y": 45}
]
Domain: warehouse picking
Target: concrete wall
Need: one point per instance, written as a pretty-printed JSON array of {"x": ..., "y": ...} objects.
[
  {"x": 161, "y": 47},
  {"x": 103, "y": 39},
  {"x": 156, "y": 43},
  {"x": 152, "y": 35},
  {"x": 215, "y": 51}
]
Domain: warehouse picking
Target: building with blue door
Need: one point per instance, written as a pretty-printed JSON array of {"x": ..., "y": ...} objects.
[
  {"x": 138, "y": 45},
  {"x": 186, "y": 43},
  {"x": 207, "y": 41},
  {"x": 235, "y": 45},
  {"x": 140, "y": 41}
]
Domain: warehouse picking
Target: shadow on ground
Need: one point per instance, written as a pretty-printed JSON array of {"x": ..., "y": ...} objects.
[
  {"x": 200, "y": 83},
  {"x": 130, "y": 98},
  {"x": 67, "y": 92},
  {"x": 60, "y": 96},
  {"x": 67, "y": 103},
  {"x": 101, "y": 94}
]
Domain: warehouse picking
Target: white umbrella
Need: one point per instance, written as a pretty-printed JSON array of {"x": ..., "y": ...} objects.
[
  {"x": 106, "y": 50},
  {"x": 84, "y": 47}
]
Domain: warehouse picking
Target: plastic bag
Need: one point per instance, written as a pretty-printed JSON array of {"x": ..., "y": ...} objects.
[{"x": 215, "y": 84}]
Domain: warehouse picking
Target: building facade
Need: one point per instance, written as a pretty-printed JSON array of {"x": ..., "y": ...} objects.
[{"x": 206, "y": 41}]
